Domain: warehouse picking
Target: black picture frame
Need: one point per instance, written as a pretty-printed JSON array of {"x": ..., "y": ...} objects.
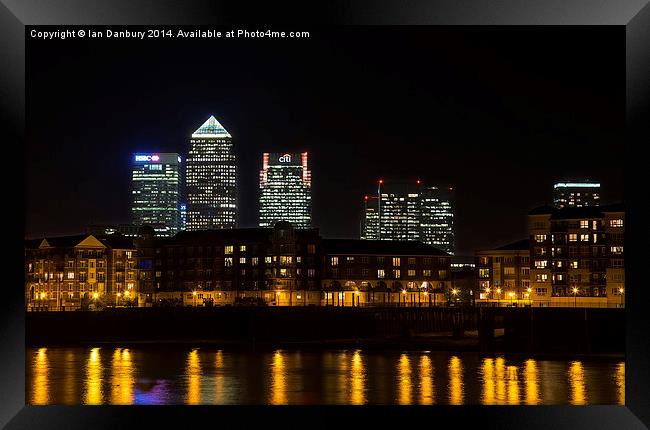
[{"x": 633, "y": 16}]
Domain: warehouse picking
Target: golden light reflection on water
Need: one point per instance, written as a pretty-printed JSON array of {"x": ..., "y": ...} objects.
[
  {"x": 41, "y": 391},
  {"x": 426, "y": 381},
  {"x": 69, "y": 383},
  {"x": 513, "y": 385},
  {"x": 487, "y": 373},
  {"x": 278, "y": 380},
  {"x": 219, "y": 378},
  {"x": 93, "y": 394},
  {"x": 404, "y": 380},
  {"x": 500, "y": 380},
  {"x": 577, "y": 394},
  {"x": 531, "y": 382},
  {"x": 123, "y": 377},
  {"x": 456, "y": 394},
  {"x": 620, "y": 383},
  {"x": 193, "y": 373},
  {"x": 357, "y": 380}
]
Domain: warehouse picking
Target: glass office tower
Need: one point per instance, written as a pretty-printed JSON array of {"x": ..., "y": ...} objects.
[
  {"x": 370, "y": 219},
  {"x": 211, "y": 179},
  {"x": 285, "y": 190},
  {"x": 437, "y": 218},
  {"x": 156, "y": 192},
  {"x": 576, "y": 194}
]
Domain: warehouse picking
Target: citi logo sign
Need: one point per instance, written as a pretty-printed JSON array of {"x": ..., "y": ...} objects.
[{"x": 286, "y": 158}]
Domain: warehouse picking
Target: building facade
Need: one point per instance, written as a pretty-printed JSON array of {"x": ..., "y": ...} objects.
[
  {"x": 576, "y": 194},
  {"x": 410, "y": 211},
  {"x": 211, "y": 183},
  {"x": 503, "y": 274},
  {"x": 369, "y": 227},
  {"x": 285, "y": 190},
  {"x": 73, "y": 272},
  {"x": 156, "y": 192},
  {"x": 437, "y": 218},
  {"x": 577, "y": 254}
]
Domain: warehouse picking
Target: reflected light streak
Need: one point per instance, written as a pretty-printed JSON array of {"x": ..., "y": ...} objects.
[
  {"x": 531, "y": 382},
  {"x": 123, "y": 378},
  {"x": 41, "y": 394},
  {"x": 500, "y": 380},
  {"x": 342, "y": 379},
  {"x": 578, "y": 395},
  {"x": 219, "y": 378},
  {"x": 513, "y": 385},
  {"x": 93, "y": 394},
  {"x": 487, "y": 372},
  {"x": 358, "y": 379},
  {"x": 193, "y": 374},
  {"x": 426, "y": 381},
  {"x": 455, "y": 381},
  {"x": 620, "y": 382},
  {"x": 278, "y": 380},
  {"x": 404, "y": 382}
]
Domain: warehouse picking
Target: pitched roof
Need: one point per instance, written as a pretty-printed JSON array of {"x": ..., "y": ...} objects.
[
  {"x": 385, "y": 247},
  {"x": 523, "y": 244},
  {"x": 211, "y": 128}
]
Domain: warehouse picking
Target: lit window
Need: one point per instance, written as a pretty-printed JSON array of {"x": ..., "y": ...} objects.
[
  {"x": 540, "y": 237},
  {"x": 396, "y": 261},
  {"x": 616, "y": 223},
  {"x": 227, "y": 261},
  {"x": 396, "y": 273},
  {"x": 411, "y": 272},
  {"x": 228, "y": 249},
  {"x": 542, "y": 277},
  {"x": 426, "y": 273},
  {"x": 242, "y": 248},
  {"x": 540, "y": 264},
  {"x": 381, "y": 273},
  {"x": 242, "y": 260},
  {"x": 70, "y": 275},
  {"x": 584, "y": 224},
  {"x": 584, "y": 238},
  {"x": 335, "y": 261},
  {"x": 483, "y": 273},
  {"x": 573, "y": 237},
  {"x": 267, "y": 260},
  {"x": 574, "y": 264},
  {"x": 616, "y": 249},
  {"x": 255, "y": 261}
]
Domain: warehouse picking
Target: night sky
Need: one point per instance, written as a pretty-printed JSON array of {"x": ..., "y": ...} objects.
[{"x": 499, "y": 113}]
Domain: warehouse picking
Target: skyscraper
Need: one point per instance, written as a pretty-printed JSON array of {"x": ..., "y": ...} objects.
[
  {"x": 211, "y": 178},
  {"x": 156, "y": 192},
  {"x": 285, "y": 190},
  {"x": 576, "y": 194},
  {"x": 437, "y": 218},
  {"x": 408, "y": 211},
  {"x": 370, "y": 218}
]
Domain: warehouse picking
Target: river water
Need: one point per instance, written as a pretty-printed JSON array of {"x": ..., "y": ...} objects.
[{"x": 179, "y": 375}]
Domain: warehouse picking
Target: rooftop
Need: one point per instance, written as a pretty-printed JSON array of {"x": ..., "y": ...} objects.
[
  {"x": 210, "y": 129},
  {"x": 385, "y": 247}
]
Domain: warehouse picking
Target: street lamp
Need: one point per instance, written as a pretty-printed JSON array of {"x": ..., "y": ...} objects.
[
  {"x": 621, "y": 291},
  {"x": 455, "y": 293},
  {"x": 404, "y": 294},
  {"x": 575, "y": 296}
]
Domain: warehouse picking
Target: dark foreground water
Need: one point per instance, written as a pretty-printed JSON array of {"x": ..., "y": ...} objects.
[{"x": 146, "y": 375}]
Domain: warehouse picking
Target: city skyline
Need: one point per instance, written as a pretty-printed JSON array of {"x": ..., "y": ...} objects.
[{"x": 443, "y": 117}]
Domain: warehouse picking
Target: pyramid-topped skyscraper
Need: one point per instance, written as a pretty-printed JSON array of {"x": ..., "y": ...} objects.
[{"x": 211, "y": 183}]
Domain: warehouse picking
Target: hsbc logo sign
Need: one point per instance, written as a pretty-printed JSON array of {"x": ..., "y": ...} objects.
[
  {"x": 153, "y": 157},
  {"x": 286, "y": 158}
]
